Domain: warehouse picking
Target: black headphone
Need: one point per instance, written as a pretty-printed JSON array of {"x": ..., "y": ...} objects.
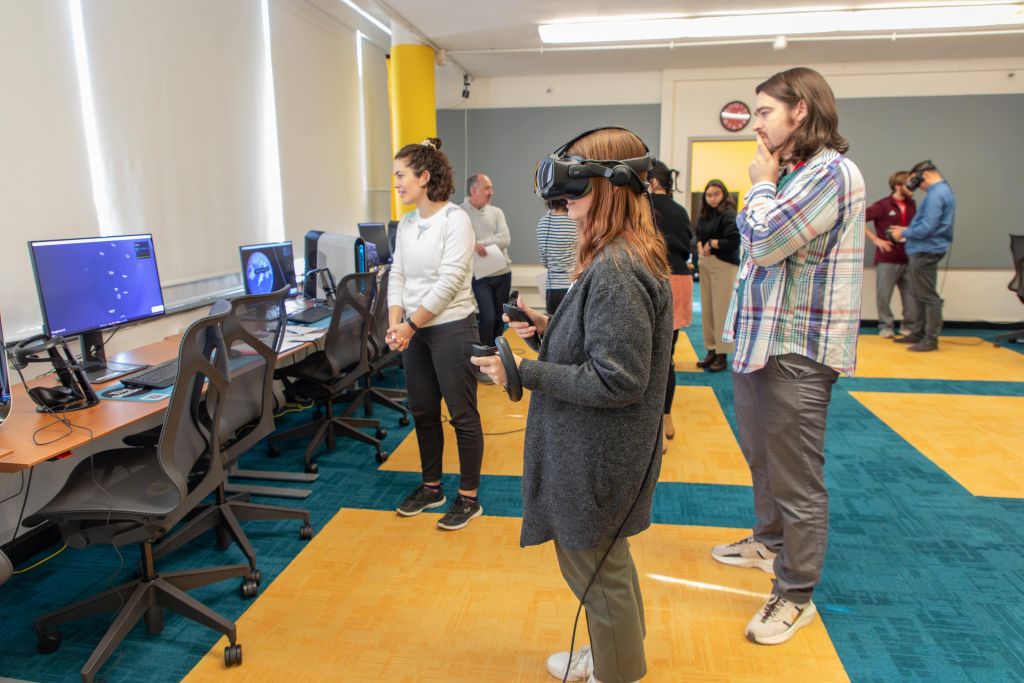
[
  {"x": 74, "y": 393},
  {"x": 917, "y": 174},
  {"x": 566, "y": 175}
]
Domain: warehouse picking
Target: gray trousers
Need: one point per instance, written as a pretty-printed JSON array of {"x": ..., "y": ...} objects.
[
  {"x": 888, "y": 277},
  {"x": 924, "y": 270},
  {"x": 781, "y": 412},
  {"x": 615, "y": 609}
]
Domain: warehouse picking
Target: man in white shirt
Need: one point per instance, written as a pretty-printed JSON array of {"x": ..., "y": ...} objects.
[{"x": 490, "y": 228}]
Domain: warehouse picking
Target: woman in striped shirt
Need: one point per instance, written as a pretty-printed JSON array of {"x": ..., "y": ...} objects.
[{"x": 556, "y": 241}]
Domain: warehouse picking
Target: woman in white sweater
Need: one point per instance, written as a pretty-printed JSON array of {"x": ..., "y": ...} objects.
[{"x": 432, "y": 320}]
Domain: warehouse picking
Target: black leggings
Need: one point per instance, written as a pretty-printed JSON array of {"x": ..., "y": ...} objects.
[
  {"x": 437, "y": 366},
  {"x": 670, "y": 389}
]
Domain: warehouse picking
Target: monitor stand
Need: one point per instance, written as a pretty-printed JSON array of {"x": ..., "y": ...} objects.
[{"x": 94, "y": 360}]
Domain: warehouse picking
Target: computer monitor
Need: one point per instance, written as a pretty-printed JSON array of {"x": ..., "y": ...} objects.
[
  {"x": 268, "y": 267},
  {"x": 91, "y": 284},
  {"x": 392, "y": 234},
  {"x": 377, "y": 235},
  {"x": 5, "y": 380}
]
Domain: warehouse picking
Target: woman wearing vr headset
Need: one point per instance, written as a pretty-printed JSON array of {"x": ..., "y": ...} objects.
[
  {"x": 431, "y": 312},
  {"x": 592, "y": 449}
]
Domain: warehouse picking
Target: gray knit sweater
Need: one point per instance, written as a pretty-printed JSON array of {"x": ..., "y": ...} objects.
[{"x": 595, "y": 413}]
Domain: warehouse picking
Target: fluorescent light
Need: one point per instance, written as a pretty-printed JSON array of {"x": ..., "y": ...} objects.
[{"x": 782, "y": 23}]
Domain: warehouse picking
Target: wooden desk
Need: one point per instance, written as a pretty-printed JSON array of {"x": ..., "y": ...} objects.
[{"x": 102, "y": 419}]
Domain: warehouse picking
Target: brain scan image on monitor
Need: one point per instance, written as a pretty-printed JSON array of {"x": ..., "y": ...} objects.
[{"x": 259, "y": 273}]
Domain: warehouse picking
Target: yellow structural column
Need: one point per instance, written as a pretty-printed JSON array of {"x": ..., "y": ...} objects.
[{"x": 411, "y": 90}]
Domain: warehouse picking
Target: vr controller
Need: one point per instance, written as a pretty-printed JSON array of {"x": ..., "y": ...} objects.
[
  {"x": 513, "y": 382},
  {"x": 513, "y": 311}
]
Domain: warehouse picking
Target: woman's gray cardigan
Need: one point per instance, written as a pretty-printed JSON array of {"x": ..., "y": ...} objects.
[{"x": 595, "y": 412}]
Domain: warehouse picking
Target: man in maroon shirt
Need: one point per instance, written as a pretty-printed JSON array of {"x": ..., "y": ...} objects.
[{"x": 892, "y": 268}]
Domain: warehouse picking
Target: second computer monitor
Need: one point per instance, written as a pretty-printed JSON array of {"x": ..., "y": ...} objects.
[
  {"x": 377, "y": 235},
  {"x": 268, "y": 267}
]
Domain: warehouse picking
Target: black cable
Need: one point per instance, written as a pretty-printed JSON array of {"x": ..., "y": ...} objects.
[
  {"x": 18, "y": 493},
  {"x": 24, "y": 502}
]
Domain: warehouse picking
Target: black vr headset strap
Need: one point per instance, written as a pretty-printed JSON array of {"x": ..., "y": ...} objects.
[{"x": 561, "y": 151}]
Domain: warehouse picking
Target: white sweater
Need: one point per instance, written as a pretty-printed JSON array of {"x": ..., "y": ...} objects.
[
  {"x": 490, "y": 227},
  {"x": 432, "y": 265}
]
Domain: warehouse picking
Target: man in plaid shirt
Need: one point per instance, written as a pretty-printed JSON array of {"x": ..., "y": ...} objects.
[{"x": 794, "y": 315}]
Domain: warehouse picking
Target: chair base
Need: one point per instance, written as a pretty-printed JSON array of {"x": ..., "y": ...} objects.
[
  {"x": 328, "y": 429},
  {"x": 224, "y": 515},
  {"x": 143, "y": 598},
  {"x": 1015, "y": 336}
]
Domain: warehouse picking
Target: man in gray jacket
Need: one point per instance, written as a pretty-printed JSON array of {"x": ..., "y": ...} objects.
[{"x": 490, "y": 227}]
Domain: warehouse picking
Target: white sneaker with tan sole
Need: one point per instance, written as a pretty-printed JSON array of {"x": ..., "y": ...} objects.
[{"x": 778, "y": 620}]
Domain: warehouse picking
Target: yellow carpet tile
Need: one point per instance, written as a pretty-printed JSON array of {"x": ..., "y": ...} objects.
[
  {"x": 704, "y": 450},
  {"x": 958, "y": 358},
  {"x": 375, "y": 597},
  {"x": 685, "y": 356},
  {"x": 974, "y": 439}
]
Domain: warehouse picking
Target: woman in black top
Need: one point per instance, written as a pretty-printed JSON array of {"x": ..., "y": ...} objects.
[
  {"x": 718, "y": 241},
  {"x": 673, "y": 222}
]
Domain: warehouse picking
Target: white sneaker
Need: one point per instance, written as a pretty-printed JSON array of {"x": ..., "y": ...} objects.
[
  {"x": 582, "y": 665},
  {"x": 886, "y": 333},
  {"x": 746, "y": 553},
  {"x": 905, "y": 332},
  {"x": 778, "y": 620}
]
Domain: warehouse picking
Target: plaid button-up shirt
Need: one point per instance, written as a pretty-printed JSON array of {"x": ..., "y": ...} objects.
[{"x": 798, "y": 288}]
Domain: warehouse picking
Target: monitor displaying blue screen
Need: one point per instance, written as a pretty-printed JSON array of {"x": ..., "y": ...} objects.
[
  {"x": 97, "y": 282},
  {"x": 5, "y": 382},
  {"x": 268, "y": 267}
]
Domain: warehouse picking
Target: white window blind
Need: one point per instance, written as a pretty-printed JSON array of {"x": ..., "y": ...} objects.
[{"x": 45, "y": 190}]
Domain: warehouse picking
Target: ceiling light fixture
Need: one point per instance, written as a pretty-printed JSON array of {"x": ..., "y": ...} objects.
[{"x": 624, "y": 29}]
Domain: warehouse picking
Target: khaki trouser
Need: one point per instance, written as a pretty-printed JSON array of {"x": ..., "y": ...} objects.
[
  {"x": 716, "y": 281},
  {"x": 615, "y": 609}
]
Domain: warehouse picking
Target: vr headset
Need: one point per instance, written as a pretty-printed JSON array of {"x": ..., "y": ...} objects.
[
  {"x": 567, "y": 176},
  {"x": 917, "y": 174}
]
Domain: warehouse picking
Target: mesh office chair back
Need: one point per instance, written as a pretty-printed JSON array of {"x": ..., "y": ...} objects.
[{"x": 346, "y": 344}]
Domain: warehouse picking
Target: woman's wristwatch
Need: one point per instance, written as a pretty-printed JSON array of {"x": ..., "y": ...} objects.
[{"x": 414, "y": 326}]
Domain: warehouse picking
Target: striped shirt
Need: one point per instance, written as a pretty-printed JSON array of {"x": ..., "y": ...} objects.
[
  {"x": 798, "y": 288},
  {"x": 556, "y": 241}
]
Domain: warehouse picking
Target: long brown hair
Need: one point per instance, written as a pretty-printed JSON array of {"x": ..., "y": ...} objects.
[
  {"x": 617, "y": 212},
  {"x": 821, "y": 127}
]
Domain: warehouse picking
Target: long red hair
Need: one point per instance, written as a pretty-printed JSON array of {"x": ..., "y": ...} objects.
[{"x": 617, "y": 211}]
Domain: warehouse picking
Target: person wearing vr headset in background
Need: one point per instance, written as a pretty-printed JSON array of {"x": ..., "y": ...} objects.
[
  {"x": 891, "y": 267},
  {"x": 718, "y": 244},
  {"x": 592, "y": 451},
  {"x": 673, "y": 222},
  {"x": 490, "y": 227},
  {"x": 431, "y": 320},
  {"x": 795, "y": 317},
  {"x": 928, "y": 237}
]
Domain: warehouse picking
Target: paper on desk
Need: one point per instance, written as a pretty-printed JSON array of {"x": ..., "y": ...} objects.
[
  {"x": 489, "y": 264},
  {"x": 302, "y": 329}
]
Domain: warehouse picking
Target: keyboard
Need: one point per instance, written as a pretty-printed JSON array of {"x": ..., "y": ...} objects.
[
  {"x": 157, "y": 377},
  {"x": 311, "y": 315}
]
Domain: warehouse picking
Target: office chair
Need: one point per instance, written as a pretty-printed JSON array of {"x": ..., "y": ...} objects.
[
  {"x": 380, "y": 357},
  {"x": 331, "y": 375},
  {"x": 136, "y": 495},
  {"x": 252, "y": 333},
  {"x": 1016, "y": 285}
]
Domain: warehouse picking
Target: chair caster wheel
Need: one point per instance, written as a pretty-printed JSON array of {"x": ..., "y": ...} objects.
[
  {"x": 257, "y": 576},
  {"x": 381, "y": 433},
  {"x": 273, "y": 451},
  {"x": 249, "y": 588},
  {"x": 233, "y": 655},
  {"x": 381, "y": 457},
  {"x": 312, "y": 468},
  {"x": 305, "y": 532},
  {"x": 49, "y": 642},
  {"x": 404, "y": 421}
]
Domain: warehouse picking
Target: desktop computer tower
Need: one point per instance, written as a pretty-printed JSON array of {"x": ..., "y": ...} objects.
[
  {"x": 341, "y": 254},
  {"x": 309, "y": 284}
]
